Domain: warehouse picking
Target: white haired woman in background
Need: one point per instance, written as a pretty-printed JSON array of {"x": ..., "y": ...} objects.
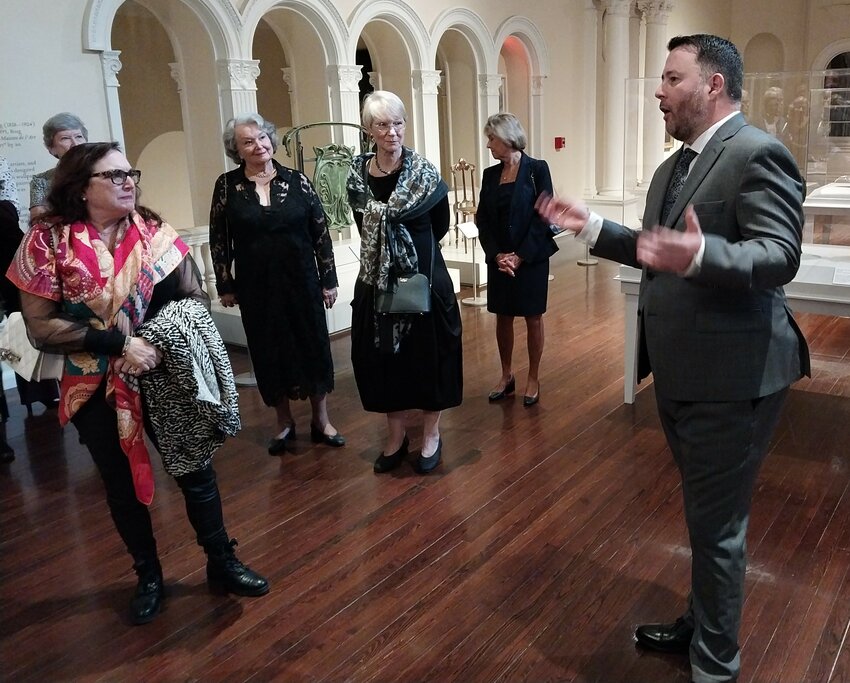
[
  {"x": 61, "y": 132},
  {"x": 273, "y": 256}
]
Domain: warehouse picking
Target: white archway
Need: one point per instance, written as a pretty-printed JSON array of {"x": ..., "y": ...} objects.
[
  {"x": 220, "y": 19},
  {"x": 535, "y": 46},
  {"x": 424, "y": 78},
  {"x": 486, "y": 57},
  {"x": 321, "y": 14},
  {"x": 821, "y": 62}
]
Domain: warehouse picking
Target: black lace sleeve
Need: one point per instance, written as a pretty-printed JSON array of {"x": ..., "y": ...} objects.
[
  {"x": 322, "y": 243},
  {"x": 221, "y": 244}
]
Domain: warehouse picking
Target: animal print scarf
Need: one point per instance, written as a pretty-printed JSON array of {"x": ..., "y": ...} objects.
[{"x": 386, "y": 247}]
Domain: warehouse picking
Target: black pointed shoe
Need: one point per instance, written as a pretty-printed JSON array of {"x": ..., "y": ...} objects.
[
  {"x": 528, "y": 401},
  {"x": 318, "y": 436},
  {"x": 226, "y": 574},
  {"x": 150, "y": 592},
  {"x": 510, "y": 388},
  {"x": 672, "y": 638},
  {"x": 386, "y": 463},
  {"x": 424, "y": 465},
  {"x": 277, "y": 445}
]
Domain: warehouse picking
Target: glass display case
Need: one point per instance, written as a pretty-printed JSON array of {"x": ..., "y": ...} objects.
[{"x": 808, "y": 111}]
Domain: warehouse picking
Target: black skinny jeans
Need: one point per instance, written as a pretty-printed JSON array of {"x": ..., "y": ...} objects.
[{"x": 98, "y": 427}]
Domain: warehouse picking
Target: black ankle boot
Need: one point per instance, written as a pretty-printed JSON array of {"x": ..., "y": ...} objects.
[
  {"x": 226, "y": 574},
  {"x": 150, "y": 592}
]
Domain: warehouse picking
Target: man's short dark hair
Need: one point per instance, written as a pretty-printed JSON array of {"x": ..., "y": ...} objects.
[{"x": 715, "y": 55}]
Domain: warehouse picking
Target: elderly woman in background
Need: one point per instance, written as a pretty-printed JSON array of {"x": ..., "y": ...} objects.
[
  {"x": 90, "y": 273},
  {"x": 61, "y": 132},
  {"x": 268, "y": 221},
  {"x": 517, "y": 245},
  {"x": 402, "y": 362}
]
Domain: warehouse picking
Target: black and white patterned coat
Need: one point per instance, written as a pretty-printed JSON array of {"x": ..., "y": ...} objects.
[{"x": 190, "y": 397}]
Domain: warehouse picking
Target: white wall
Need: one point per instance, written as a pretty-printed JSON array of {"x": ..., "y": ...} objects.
[{"x": 47, "y": 70}]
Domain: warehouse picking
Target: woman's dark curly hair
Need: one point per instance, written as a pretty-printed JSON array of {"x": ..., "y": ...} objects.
[{"x": 72, "y": 177}]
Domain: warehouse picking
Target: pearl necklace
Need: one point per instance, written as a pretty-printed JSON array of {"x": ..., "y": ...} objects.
[{"x": 392, "y": 170}]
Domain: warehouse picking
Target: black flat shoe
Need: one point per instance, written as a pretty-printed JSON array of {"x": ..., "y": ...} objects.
[
  {"x": 318, "y": 436},
  {"x": 424, "y": 465},
  {"x": 528, "y": 401},
  {"x": 278, "y": 445},
  {"x": 672, "y": 638},
  {"x": 385, "y": 463},
  {"x": 510, "y": 388}
]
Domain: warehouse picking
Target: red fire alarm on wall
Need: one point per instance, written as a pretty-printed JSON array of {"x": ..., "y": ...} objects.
[{"x": 560, "y": 143}]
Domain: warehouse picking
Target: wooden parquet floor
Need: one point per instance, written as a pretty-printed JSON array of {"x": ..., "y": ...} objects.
[{"x": 530, "y": 555}]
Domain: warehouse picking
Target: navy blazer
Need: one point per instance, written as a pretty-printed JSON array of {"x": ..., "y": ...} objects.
[{"x": 528, "y": 235}]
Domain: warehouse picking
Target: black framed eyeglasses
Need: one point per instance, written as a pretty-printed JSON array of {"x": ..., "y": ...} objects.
[{"x": 119, "y": 177}]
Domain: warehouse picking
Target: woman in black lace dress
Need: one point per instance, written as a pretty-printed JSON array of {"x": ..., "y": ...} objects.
[{"x": 267, "y": 224}]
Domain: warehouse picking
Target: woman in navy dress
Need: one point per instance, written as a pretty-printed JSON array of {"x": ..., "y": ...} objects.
[{"x": 517, "y": 244}]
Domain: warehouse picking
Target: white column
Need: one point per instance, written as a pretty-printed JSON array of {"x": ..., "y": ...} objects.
[
  {"x": 426, "y": 114},
  {"x": 615, "y": 56},
  {"x": 197, "y": 194},
  {"x": 590, "y": 27},
  {"x": 287, "y": 74},
  {"x": 535, "y": 133},
  {"x": 237, "y": 81},
  {"x": 656, "y": 13},
  {"x": 111, "y": 65},
  {"x": 489, "y": 86},
  {"x": 344, "y": 87}
]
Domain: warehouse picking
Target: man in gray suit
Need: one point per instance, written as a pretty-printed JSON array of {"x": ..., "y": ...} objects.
[{"x": 722, "y": 235}]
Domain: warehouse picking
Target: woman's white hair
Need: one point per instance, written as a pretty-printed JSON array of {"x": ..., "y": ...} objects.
[
  {"x": 252, "y": 119},
  {"x": 381, "y": 104}
]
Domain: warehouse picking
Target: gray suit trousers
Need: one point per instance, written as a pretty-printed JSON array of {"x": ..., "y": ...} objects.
[{"x": 719, "y": 447}]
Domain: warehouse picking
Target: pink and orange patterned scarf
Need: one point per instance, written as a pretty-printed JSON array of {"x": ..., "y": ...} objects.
[{"x": 71, "y": 264}]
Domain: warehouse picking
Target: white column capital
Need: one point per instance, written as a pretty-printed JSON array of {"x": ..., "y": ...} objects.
[
  {"x": 428, "y": 81},
  {"x": 618, "y": 8},
  {"x": 288, "y": 75},
  {"x": 177, "y": 75},
  {"x": 239, "y": 74},
  {"x": 656, "y": 11},
  {"x": 111, "y": 65},
  {"x": 489, "y": 84},
  {"x": 537, "y": 83},
  {"x": 346, "y": 75}
]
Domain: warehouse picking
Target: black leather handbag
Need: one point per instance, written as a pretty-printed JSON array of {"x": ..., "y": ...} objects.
[{"x": 411, "y": 293}]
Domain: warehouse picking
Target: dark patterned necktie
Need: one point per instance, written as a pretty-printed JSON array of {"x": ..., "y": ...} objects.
[{"x": 677, "y": 181}]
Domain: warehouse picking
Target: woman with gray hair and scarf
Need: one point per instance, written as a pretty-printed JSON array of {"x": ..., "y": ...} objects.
[
  {"x": 403, "y": 363},
  {"x": 60, "y": 132},
  {"x": 268, "y": 222}
]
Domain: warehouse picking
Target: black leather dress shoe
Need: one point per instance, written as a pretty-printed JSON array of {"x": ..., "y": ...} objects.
[
  {"x": 278, "y": 445},
  {"x": 424, "y": 464},
  {"x": 672, "y": 638},
  {"x": 385, "y": 463},
  {"x": 510, "y": 388},
  {"x": 318, "y": 436}
]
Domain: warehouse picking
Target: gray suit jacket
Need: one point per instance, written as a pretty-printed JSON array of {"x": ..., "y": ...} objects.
[{"x": 727, "y": 333}]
